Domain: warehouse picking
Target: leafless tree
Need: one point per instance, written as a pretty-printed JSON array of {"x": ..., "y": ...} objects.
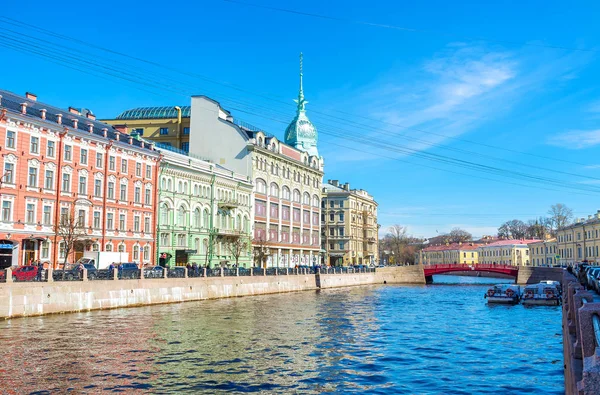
[
  {"x": 261, "y": 251},
  {"x": 401, "y": 244},
  {"x": 560, "y": 216},
  {"x": 458, "y": 235},
  {"x": 539, "y": 228},
  {"x": 236, "y": 246},
  {"x": 513, "y": 229},
  {"x": 71, "y": 231}
]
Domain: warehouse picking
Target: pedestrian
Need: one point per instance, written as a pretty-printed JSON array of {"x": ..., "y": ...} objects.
[
  {"x": 81, "y": 267},
  {"x": 40, "y": 269},
  {"x": 111, "y": 270},
  {"x": 195, "y": 269}
]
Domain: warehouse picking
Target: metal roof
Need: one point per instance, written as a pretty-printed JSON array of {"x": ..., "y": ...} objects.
[{"x": 155, "y": 112}]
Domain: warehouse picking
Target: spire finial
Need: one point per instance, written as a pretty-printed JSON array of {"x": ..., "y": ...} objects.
[{"x": 301, "y": 102}]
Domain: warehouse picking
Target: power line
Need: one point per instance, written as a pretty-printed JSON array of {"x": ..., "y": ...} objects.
[
  {"x": 402, "y": 28},
  {"x": 16, "y": 22}
]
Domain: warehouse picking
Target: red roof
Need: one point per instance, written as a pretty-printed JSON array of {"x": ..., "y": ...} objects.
[
  {"x": 511, "y": 242},
  {"x": 451, "y": 247}
]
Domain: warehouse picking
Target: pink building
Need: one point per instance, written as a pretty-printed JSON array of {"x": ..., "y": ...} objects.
[{"x": 57, "y": 163}]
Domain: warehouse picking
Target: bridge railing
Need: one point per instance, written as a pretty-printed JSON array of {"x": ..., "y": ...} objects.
[{"x": 581, "y": 338}]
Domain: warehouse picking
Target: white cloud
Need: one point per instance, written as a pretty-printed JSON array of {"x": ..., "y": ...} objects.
[{"x": 576, "y": 139}]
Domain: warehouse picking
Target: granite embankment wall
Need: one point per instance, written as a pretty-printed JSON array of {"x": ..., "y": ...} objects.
[
  {"x": 535, "y": 274},
  {"x": 29, "y": 299}
]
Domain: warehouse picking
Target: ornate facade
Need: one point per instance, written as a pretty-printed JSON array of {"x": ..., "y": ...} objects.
[
  {"x": 446, "y": 254},
  {"x": 349, "y": 225},
  {"x": 579, "y": 241}
]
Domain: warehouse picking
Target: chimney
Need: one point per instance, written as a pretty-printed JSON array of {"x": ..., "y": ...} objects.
[
  {"x": 73, "y": 110},
  {"x": 23, "y": 108},
  {"x": 117, "y": 135},
  {"x": 335, "y": 183},
  {"x": 105, "y": 132},
  {"x": 31, "y": 96},
  {"x": 90, "y": 127},
  {"x": 130, "y": 140},
  {"x": 75, "y": 120},
  {"x": 91, "y": 116},
  {"x": 347, "y": 186},
  {"x": 59, "y": 119},
  {"x": 43, "y": 113}
]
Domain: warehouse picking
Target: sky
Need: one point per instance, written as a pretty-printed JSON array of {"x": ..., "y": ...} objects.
[{"x": 451, "y": 114}]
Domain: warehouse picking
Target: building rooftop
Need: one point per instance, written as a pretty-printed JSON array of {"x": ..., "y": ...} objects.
[
  {"x": 510, "y": 242},
  {"x": 452, "y": 247},
  {"x": 155, "y": 113},
  {"x": 13, "y": 103}
]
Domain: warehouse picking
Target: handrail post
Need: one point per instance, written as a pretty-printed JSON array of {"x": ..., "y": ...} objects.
[
  {"x": 251, "y": 272},
  {"x": 222, "y": 272},
  {"x": 8, "y": 274},
  {"x": 185, "y": 272},
  {"x": 204, "y": 272},
  {"x": 237, "y": 271},
  {"x": 49, "y": 275},
  {"x": 84, "y": 274}
]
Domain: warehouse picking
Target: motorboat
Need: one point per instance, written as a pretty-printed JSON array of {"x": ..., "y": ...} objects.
[
  {"x": 546, "y": 293},
  {"x": 503, "y": 293}
]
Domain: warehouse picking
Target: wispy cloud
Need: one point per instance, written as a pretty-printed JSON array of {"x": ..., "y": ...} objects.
[{"x": 576, "y": 139}]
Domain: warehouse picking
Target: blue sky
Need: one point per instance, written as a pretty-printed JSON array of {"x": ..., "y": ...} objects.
[{"x": 489, "y": 84}]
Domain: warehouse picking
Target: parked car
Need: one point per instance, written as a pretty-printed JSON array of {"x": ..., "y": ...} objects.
[
  {"x": 154, "y": 272},
  {"x": 25, "y": 273},
  {"x": 128, "y": 270},
  {"x": 592, "y": 278},
  {"x": 177, "y": 271},
  {"x": 75, "y": 272}
]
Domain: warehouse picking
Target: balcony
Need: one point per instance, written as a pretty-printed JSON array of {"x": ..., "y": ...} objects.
[
  {"x": 228, "y": 232},
  {"x": 371, "y": 240},
  {"x": 227, "y": 204}
]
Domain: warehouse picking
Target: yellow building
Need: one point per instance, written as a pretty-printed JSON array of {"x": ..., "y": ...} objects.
[
  {"x": 449, "y": 254},
  {"x": 543, "y": 253},
  {"x": 580, "y": 241},
  {"x": 506, "y": 252},
  {"x": 349, "y": 225},
  {"x": 167, "y": 126}
]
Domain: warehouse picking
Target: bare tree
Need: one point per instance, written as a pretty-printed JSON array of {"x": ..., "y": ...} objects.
[
  {"x": 458, "y": 235},
  {"x": 236, "y": 246},
  {"x": 70, "y": 231},
  {"x": 560, "y": 216},
  {"x": 538, "y": 228},
  {"x": 513, "y": 229},
  {"x": 261, "y": 251}
]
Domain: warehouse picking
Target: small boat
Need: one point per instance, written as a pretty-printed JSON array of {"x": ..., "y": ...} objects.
[
  {"x": 503, "y": 293},
  {"x": 545, "y": 293}
]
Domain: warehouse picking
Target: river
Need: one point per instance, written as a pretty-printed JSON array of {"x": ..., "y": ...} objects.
[{"x": 435, "y": 339}]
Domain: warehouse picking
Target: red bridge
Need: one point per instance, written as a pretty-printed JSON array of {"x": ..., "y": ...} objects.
[{"x": 431, "y": 270}]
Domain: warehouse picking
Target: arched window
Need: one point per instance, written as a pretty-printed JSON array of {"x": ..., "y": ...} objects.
[
  {"x": 197, "y": 218},
  {"x": 205, "y": 219},
  {"x": 146, "y": 253},
  {"x": 163, "y": 184},
  {"x": 245, "y": 226},
  {"x": 261, "y": 186},
  {"x": 169, "y": 185},
  {"x": 164, "y": 213},
  {"x": 136, "y": 253},
  {"x": 274, "y": 190},
  {"x": 185, "y": 187},
  {"x": 315, "y": 201},
  {"x": 121, "y": 247},
  {"x": 179, "y": 187},
  {"x": 238, "y": 222},
  {"x": 181, "y": 216},
  {"x": 296, "y": 196},
  {"x": 306, "y": 198},
  {"x": 285, "y": 193},
  {"x": 108, "y": 247}
]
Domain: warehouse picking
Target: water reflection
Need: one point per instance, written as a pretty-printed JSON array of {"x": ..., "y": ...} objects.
[{"x": 422, "y": 339}]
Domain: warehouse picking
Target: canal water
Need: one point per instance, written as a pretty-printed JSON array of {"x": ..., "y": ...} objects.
[{"x": 435, "y": 339}]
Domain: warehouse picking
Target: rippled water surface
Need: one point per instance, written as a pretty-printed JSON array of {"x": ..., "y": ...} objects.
[{"x": 374, "y": 339}]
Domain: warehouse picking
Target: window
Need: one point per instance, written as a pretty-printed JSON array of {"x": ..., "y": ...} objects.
[
  {"x": 64, "y": 215},
  {"x": 108, "y": 248},
  {"x": 261, "y": 209},
  {"x": 341, "y": 245},
  {"x": 82, "y": 185},
  {"x": 109, "y": 221},
  {"x": 148, "y": 171},
  {"x": 68, "y": 153},
  {"x": 66, "y": 182},
  {"x": 30, "y": 213},
  {"x": 49, "y": 180},
  {"x": 137, "y": 195},
  {"x": 146, "y": 253},
  {"x": 261, "y": 186},
  {"x": 34, "y": 145},
  {"x": 32, "y": 179},
  {"x": 61, "y": 250},
  {"x": 181, "y": 216},
  {"x": 164, "y": 131},
  {"x": 10, "y": 139},
  {"x": 164, "y": 213},
  {"x": 274, "y": 190},
  {"x": 186, "y": 130},
  {"x": 164, "y": 238},
  {"x": 50, "y": 149},
  {"x": 9, "y": 171},
  {"x": 147, "y": 225},
  {"x": 121, "y": 247},
  {"x": 332, "y": 217},
  {"x": 124, "y": 166},
  {"x": 123, "y": 196},
  {"x": 138, "y": 169},
  {"x": 83, "y": 156},
  {"x": 111, "y": 190},
  {"x": 341, "y": 232},
  {"x": 185, "y": 147},
  {"x": 138, "y": 131},
  {"x": 147, "y": 196},
  {"x": 45, "y": 250},
  {"x": 136, "y": 223},
  {"x": 121, "y": 221},
  {"x": 6, "y": 211},
  {"x": 98, "y": 188},
  {"x": 81, "y": 218},
  {"x": 96, "y": 219},
  {"x": 341, "y": 216},
  {"x": 296, "y": 196},
  {"x": 285, "y": 193},
  {"x": 46, "y": 220},
  {"x": 98, "y": 160},
  {"x": 112, "y": 163}
]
